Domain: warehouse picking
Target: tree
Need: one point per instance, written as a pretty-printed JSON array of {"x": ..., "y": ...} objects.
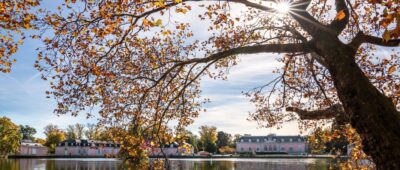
[
  {"x": 208, "y": 137},
  {"x": 91, "y": 131},
  {"x": 75, "y": 131},
  {"x": 15, "y": 17},
  {"x": 9, "y": 137},
  {"x": 27, "y": 132},
  {"x": 223, "y": 139},
  {"x": 125, "y": 58},
  {"x": 236, "y": 139},
  {"x": 71, "y": 132},
  {"x": 40, "y": 140},
  {"x": 192, "y": 140},
  {"x": 54, "y": 136},
  {"x": 226, "y": 150},
  {"x": 80, "y": 130}
]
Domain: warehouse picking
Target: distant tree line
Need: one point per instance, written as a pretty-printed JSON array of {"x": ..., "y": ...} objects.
[
  {"x": 213, "y": 141},
  {"x": 209, "y": 139}
]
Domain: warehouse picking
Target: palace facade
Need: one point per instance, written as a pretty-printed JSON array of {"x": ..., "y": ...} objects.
[
  {"x": 271, "y": 144},
  {"x": 76, "y": 147}
]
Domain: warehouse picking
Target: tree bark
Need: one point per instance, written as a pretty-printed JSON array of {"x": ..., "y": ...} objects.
[{"x": 372, "y": 114}]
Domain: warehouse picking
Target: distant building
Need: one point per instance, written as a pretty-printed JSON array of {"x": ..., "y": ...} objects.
[
  {"x": 87, "y": 148},
  {"x": 271, "y": 144},
  {"x": 27, "y": 147},
  {"x": 173, "y": 150}
]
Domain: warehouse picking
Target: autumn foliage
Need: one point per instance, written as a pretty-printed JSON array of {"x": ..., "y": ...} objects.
[
  {"x": 141, "y": 63},
  {"x": 15, "y": 16}
]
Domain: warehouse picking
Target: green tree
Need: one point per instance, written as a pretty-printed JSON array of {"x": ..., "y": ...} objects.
[
  {"x": 208, "y": 138},
  {"x": 193, "y": 140},
  {"x": 27, "y": 132},
  {"x": 9, "y": 137},
  {"x": 223, "y": 139},
  {"x": 54, "y": 135}
]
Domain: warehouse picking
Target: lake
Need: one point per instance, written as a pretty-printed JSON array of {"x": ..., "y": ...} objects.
[{"x": 179, "y": 164}]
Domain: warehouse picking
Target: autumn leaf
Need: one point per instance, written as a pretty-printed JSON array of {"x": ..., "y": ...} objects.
[
  {"x": 181, "y": 10},
  {"x": 386, "y": 35},
  {"x": 392, "y": 69},
  {"x": 340, "y": 15}
]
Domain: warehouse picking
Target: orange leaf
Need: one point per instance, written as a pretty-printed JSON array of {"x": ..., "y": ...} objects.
[
  {"x": 340, "y": 15},
  {"x": 392, "y": 69}
]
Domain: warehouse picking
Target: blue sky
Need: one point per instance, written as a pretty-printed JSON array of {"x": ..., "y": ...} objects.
[{"x": 22, "y": 94}]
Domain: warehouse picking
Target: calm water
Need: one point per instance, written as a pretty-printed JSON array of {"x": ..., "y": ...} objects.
[{"x": 180, "y": 164}]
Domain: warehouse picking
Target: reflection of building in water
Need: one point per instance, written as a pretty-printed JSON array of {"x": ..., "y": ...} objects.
[
  {"x": 271, "y": 144},
  {"x": 251, "y": 164},
  {"x": 87, "y": 148},
  {"x": 27, "y": 147}
]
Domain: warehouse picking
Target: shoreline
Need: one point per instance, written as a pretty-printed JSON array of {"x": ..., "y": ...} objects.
[{"x": 188, "y": 157}]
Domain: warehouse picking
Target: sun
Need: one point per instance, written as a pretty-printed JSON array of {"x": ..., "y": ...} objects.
[{"x": 282, "y": 7}]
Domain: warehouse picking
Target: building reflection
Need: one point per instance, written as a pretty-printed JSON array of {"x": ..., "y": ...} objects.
[{"x": 187, "y": 164}]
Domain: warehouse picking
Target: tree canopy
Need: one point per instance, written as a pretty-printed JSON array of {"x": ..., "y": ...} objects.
[
  {"x": 54, "y": 136},
  {"x": 141, "y": 63},
  {"x": 27, "y": 132},
  {"x": 15, "y": 17},
  {"x": 9, "y": 137}
]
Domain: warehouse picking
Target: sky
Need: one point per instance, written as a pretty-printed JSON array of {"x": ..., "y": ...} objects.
[{"x": 22, "y": 94}]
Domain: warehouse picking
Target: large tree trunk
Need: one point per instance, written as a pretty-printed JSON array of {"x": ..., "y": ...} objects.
[{"x": 372, "y": 114}]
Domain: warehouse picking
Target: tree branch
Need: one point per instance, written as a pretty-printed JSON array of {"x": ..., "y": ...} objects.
[
  {"x": 266, "y": 48},
  {"x": 336, "y": 112},
  {"x": 362, "y": 38},
  {"x": 338, "y": 25},
  {"x": 306, "y": 21}
]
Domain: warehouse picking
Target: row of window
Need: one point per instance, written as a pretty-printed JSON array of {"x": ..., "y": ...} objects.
[
  {"x": 89, "y": 144},
  {"x": 265, "y": 140},
  {"x": 266, "y": 149}
]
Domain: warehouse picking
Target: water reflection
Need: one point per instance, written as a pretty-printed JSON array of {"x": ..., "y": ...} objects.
[
  {"x": 178, "y": 164},
  {"x": 252, "y": 164}
]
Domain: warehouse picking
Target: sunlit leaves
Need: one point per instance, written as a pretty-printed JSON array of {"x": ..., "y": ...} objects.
[
  {"x": 9, "y": 137},
  {"x": 15, "y": 16}
]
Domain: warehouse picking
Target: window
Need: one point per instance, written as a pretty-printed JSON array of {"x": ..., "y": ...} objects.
[
  {"x": 265, "y": 139},
  {"x": 241, "y": 140},
  {"x": 291, "y": 140},
  {"x": 249, "y": 148},
  {"x": 258, "y": 140},
  {"x": 282, "y": 149},
  {"x": 282, "y": 140},
  {"x": 274, "y": 140},
  {"x": 290, "y": 149},
  {"x": 258, "y": 149},
  {"x": 299, "y": 140},
  {"x": 241, "y": 149},
  {"x": 274, "y": 148},
  {"x": 249, "y": 140}
]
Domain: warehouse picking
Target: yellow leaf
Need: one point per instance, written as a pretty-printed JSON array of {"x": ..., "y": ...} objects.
[
  {"x": 386, "y": 35},
  {"x": 340, "y": 15},
  {"x": 392, "y": 69},
  {"x": 20, "y": 42},
  {"x": 165, "y": 33},
  {"x": 145, "y": 22},
  {"x": 181, "y": 10}
]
